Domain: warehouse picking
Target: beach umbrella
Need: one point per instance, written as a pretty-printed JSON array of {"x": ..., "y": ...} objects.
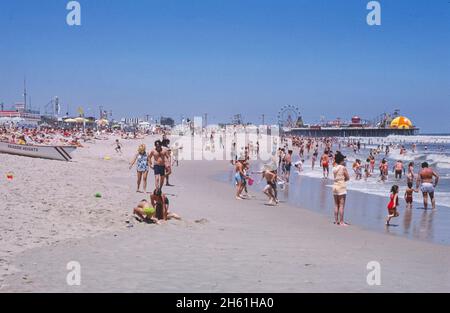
[
  {"x": 70, "y": 120},
  {"x": 81, "y": 120}
]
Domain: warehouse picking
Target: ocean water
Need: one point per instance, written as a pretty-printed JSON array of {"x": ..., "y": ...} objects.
[
  {"x": 367, "y": 200},
  {"x": 433, "y": 149}
]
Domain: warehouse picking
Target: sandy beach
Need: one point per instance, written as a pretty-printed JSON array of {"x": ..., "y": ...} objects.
[{"x": 49, "y": 217}]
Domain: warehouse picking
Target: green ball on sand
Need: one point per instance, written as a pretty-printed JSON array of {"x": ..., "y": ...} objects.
[{"x": 98, "y": 195}]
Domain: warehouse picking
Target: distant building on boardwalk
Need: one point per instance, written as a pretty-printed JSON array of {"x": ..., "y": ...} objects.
[{"x": 20, "y": 114}]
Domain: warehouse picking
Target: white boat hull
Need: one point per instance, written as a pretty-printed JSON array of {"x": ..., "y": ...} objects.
[{"x": 61, "y": 153}]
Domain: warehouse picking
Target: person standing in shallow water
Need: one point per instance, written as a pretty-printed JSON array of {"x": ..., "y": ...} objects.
[
  {"x": 427, "y": 185},
  {"x": 325, "y": 162},
  {"x": 341, "y": 177}
]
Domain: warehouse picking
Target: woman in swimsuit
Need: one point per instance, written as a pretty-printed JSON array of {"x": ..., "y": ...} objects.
[
  {"x": 142, "y": 167},
  {"x": 341, "y": 177},
  {"x": 161, "y": 204}
]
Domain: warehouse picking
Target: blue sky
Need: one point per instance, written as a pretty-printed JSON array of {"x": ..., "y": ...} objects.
[{"x": 182, "y": 57}]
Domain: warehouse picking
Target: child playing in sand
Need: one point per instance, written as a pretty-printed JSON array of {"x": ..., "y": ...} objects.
[
  {"x": 393, "y": 204},
  {"x": 145, "y": 212},
  {"x": 118, "y": 147},
  {"x": 409, "y": 195}
]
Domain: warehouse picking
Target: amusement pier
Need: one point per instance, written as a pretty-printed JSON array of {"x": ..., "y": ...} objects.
[{"x": 384, "y": 125}]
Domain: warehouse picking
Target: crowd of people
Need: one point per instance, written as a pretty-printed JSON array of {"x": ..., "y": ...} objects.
[
  {"x": 290, "y": 154},
  {"x": 46, "y": 136},
  {"x": 277, "y": 173},
  {"x": 61, "y": 136}
]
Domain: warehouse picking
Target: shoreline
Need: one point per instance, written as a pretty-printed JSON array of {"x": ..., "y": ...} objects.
[{"x": 364, "y": 210}]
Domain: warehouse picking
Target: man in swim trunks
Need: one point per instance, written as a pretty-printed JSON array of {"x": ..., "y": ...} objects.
[
  {"x": 280, "y": 157},
  {"x": 398, "y": 169},
  {"x": 287, "y": 165},
  {"x": 427, "y": 185},
  {"x": 270, "y": 189},
  {"x": 159, "y": 156},
  {"x": 324, "y": 160},
  {"x": 384, "y": 170}
]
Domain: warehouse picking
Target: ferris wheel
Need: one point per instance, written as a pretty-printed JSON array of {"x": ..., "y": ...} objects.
[{"x": 289, "y": 116}]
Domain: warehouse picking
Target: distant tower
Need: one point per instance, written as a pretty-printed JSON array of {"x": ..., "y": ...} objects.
[
  {"x": 25, "y": 93},
  {"x": 237, "y": 119},
  {"x": 56, "y": 109}
]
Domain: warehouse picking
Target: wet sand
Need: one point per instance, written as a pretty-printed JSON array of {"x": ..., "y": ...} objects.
[
  {"x": 224, "y": 245},
  {"x": 365, "y": 210}
]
